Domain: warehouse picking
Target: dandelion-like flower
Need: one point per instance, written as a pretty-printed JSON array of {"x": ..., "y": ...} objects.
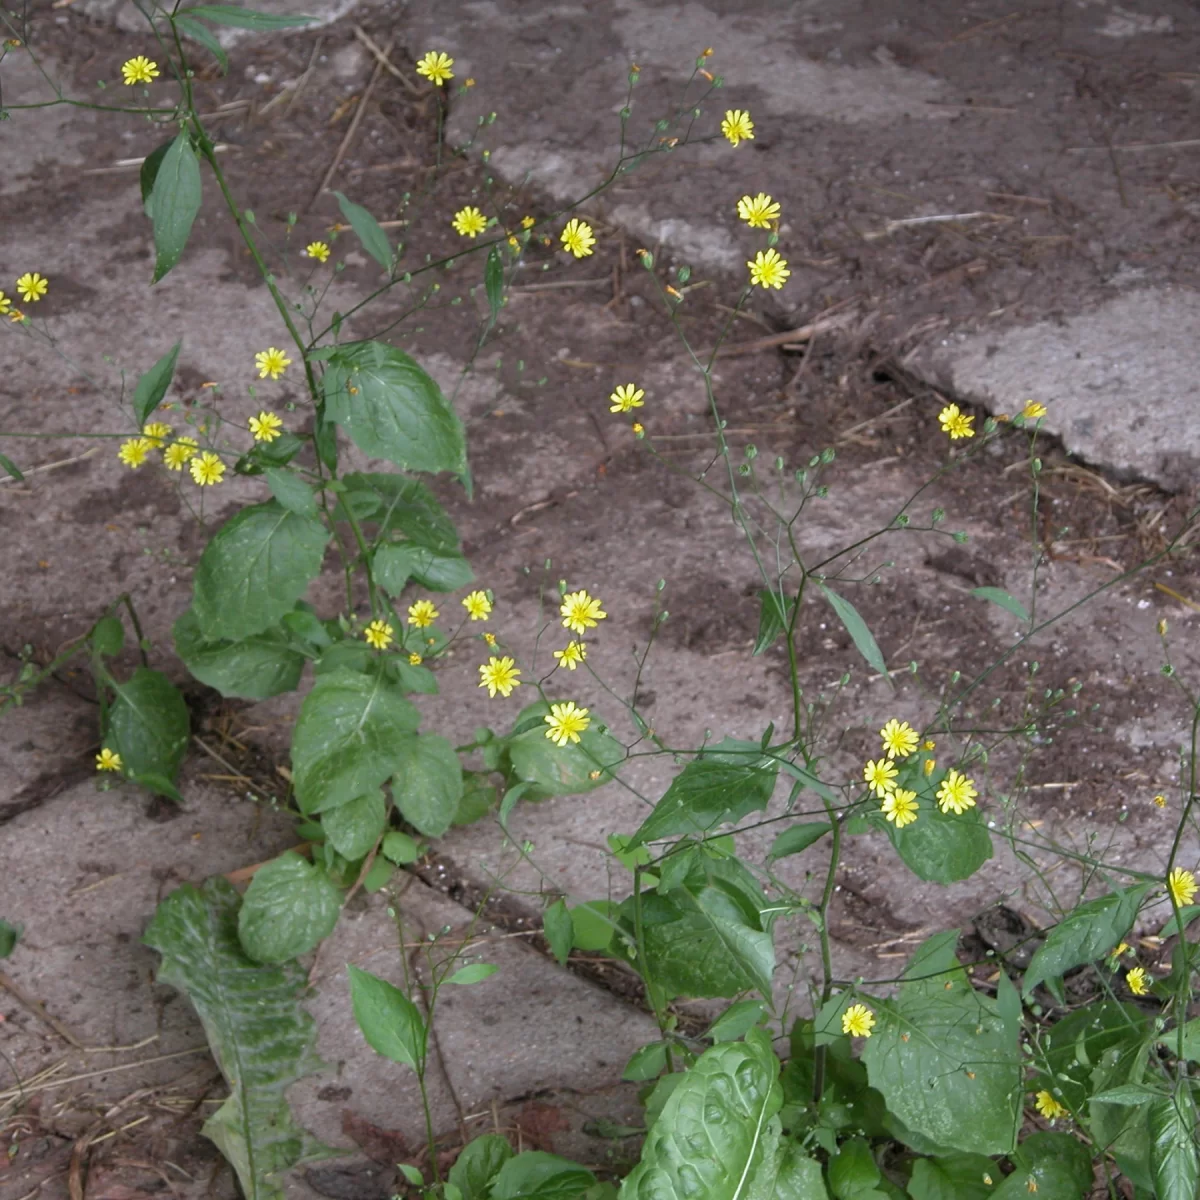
[
  {"x": 379, "y": 634},
  {"x": 178, "y": 452},
  {"x": 639, "y": 430},
  {"x": 1033, "y": 411},
  {"x": 1182, "y": 886},
  {"x": 271, "y": 362},
  {"x": 566, "y": 722},
  {"x": 527, "y": 222},
  {"x": 759, "y": 212},
  {"x": 435, "y": 66},
  {"x": 858, "y": 1021},
  {"x": 133, "y": 452},
  {"x": 899, "y": 738},
  {"x": 490, "y": 638},
  {"x": 957, "y": 793},
  {"x": 108, "y": 760},
  {"x": 577, "y": 237},
  {"x": 580, "y": 612},
  {"x": 956, "y": 423},
  {"x": 317, "y": 250},
  {"x": 900, "y": 807},
  {"x": 1138, "y": 980},
  {"x": 32, "y": 286},
  {"x": 469, "y": 221},
  {"x": 415, "y": 660},
  {"x": 880, "y": 776},
  {"x": 478, "y": 606},
  {"x": 207, "y": 469},
  {"x": 265, "y": 426},
  {"x": 1050, "y": 1108},
  {"x": 626, "y": 398},
  {"x": 768, "y": 269},
  {"x": 571, "y": 655},
  {"x": 1160, "y": 801},
  {"x": 499, "y": 675},
  {"x": 156, "y": 433},
  {"x": 737, "y": 126},
  {"x": 139, "y": 69},
  {"x": 422, "y": 614}
]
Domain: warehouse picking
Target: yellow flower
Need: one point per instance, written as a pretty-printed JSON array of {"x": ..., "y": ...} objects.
[
  {"x": 957, "y": 792},
  {"x": 1033, "y": 411},
  {"x": 759, "y": 212},
  {"x": 378, "y": 634},
  {"x": 468, "y": 82},
  {"x": 572, "y": 655},
  {"x": 139, "y": 70},
  {"x": 858, "y": 1021},
  {"x": 133, "y": 452},
  {"x": 207, "y": 469},
  {"x": 422, "y": 613},
  {"x": 639, "y": 430},
  {"x": 930, "y": 766},
  {"x": 929, "y": 744},
  {"x": 32, "y": 286},
  {"x": 527, "y": 222},
  {"x": 513, "y": 242},
  {"x": 5, "y": 303},
  {"x": 626, "y": 398},
  {"x": 177, "y": 453},
  {"x": 737, "y": 126},
  {"x": 415, "y": 660},
  {"x": 1160, "y": 801},
  {"x": 317, "y": 250},
  {"x": 16, "y": 316},
  {"x": 566, "y": 722},
  {"x": 271, "y": 362},
  {"x": 490, "y": 638},
  {"x": 900, "y": 807},
  {"x": 899, "y": 738},
  {"x": 435, "y": 66},
  {"x": 265, "y": 426},
  {"x": 1138, "y": 980},
  {"x": 577, "y": 237},
  {"x": 108, "y": 760},
  {"x": 956, "y": 423},
  {"x": 499, "y": 675},
  {"x": 1050, "y": 1108},
  {"x": 1182, "y": 886},
  {"x": 478, "y": 606},
  {"x": 156, "y": 433},
  {"x": 469, "y": 221},
  {"x": 1114, "y": 955},
  {"x": 880, "y": 776},
  {"x": 768, "y": 269},
  {"x": 580, "y": 612}
]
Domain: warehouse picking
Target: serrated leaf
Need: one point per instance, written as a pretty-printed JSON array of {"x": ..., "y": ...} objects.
[
  {"x": 291, "y": 491},
  {"x": 152, "y": 386},
  {"x": 797, "y": 838},
  {"x": 536, "y": 1175},
  {"x": 289, "y": 907},
  {"x": 473, "y": 973},
  {"x": 559, "y": 930},
  {"x": 354, "y": 827},
  {"x": 478, "y": 1164},
  {"x": 254, "y": 668},
  {"x": 552, "y": 770},
  {"x": 255, "y": 568},
  {"x": 389, "y": 1020},
  {"x": 245, "y": 18},
  {"x": 261, "y": 1037},
  {"x": 395, "y": 565},
  {"x": 1004, "y": 600},
  {"x": 953, "y": 1177},
  {"x": 174, "y": 203},
  {"x": 428, "y": 783},
  {"x": 493, "y": 281},
  {"x": 198, "y": 33},
  {"x": 374, "y": 241},
  {"x": 856, "y": 627},
  {"x": 149, "y": 726}
]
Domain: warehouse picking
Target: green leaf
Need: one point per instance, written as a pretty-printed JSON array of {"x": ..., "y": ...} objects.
[
  {"x": 1101, "y": 1031},
  {"x": 852, "y": 1171},
  {"x": 254, "y": 668},
  {"x": 478, "y": 798},
  {"x": 796, "y": 838},
  {"x": 261, "y": 1037},
  {"x": 1187, "y": 914},
  {"x": 953, "y": 1177},
  {"x": 1129, "y": 1095},
  {"x": 398, "y": 505},
  {"x": 11, "y": 468},
  {"x": 149, "y": 173},
  {"x": 291, "y": 491},
  {"x": 244, "y": 18},
  {"x": 325, "y": 438},
  {"x": 941, "y": 847},
  {"x": 374, "y": 241},
  {"x": 428, "y": 782},
  {"x": 561, "y": 770},
  {"x": 397, "y": 411},
  {"x": 943, "y": 1059},
  {"x": 9, "y": 936},
  {"x": 493, "y": 281},
  {"x": 856, "y": 627},
  {"x": 716, "y": 1129},
  {"x": 108, "y": 637},
  {"x": 1057, "y": 1164},
  {"x": 389, "y": 1020},
  {"x": 797, "y": 1176},
  {"x": 559, "y": 930},
  {"x": 1008, "y": 1003},
  {"x": 395, "y": 565},
  {"x": 593, "y": 925},
  {"x": 152, "y": 386},
  {"x": 1004, "y": 600},
  {"x": 1085, "y": 934},
  {"x": 646, "y": 1062},
  {"x": 379, "y": 873},
  {"x": 400, "y": 849},
  {"x": 174, "y": 203},
  {"x": 709, "y": 793},
  {"x": 255, "y": 568},
  {"x": 736, "y": 1021},
  {"x": 148, "y": 725},
  {"x": 353, "y": 828},
  {"x": 473, "y": 973},
  {"x": 536, "y": 1175},
  {"x": 289, "y": 907},
  {"x": 198, "y": 33},
  {"x": 411, "y": 1174},
  {"x": 1174, "y": 1160},
  {"x": 772, "y": 620},
  {"x": 351, "y": 736},
  {"x": 478, "y": 1164}
]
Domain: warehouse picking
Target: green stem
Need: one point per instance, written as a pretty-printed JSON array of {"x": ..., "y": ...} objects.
[{"x": 835, "y": 855}]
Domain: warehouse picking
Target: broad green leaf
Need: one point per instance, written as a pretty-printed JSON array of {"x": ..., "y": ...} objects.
[
  {"x": 260, "y": 1035},
  {"x": 493, "y": 281},
  {"x": 478, "y": 1164},
  {"x": 354, "y": 827},
  {"x": 148, "y": 725},
  {"x": 174, "y": 203},
  {"x": 152, "y": 386},
  {"x": 1191, "y": 1040},
  {"x": 941, "y": 847},
  {"x": 11, "y": 468},
  {"x": 255, "y": 568},
  {"x": 427, "y": 783},
  {"x": 796, "y": 838},
  {"x": 199, "y": 33},
  {"x": 1085, "y": 934},
  {"x": 1081, "y": 1040},
  {"x": 374, "y": 241},
  {"x": 1056, "y": 1164},
  {"x": 736, "y": 1021},
  {"x": 478, "y": 798},
  {"x": 772, "y": 620},
  {"x": 944, "y": 1061},
  {"x": 9, "y": 936},
  {"x": 108, "y": 637},
  {"x": 261, "y": 455},
  {"x": 536, "y": 1175},
  {"x": 389, "y": 1020},
  {"x": 856, "y": 627},
  {"x": 646, "y": 1062},
  {"x": 149, "y": 172},
  {"x": 716, "y": 1129},
  {"x": 1174, "y": 1159},
  {"x": 396, "y": 411},
  {"x": 473, "y": 973},
  {"x": 797, "y": 1177},
  {"x": 1187, "y": 914},
  {"x": 593, "y": 924},
  {"x": 709, "y": 793},
  {"x": 254, "y": 668},
  {"x": 1008, "y": 1003},
  {"x": 1004, "y": 600},
  {"x": 559, "y": 930},
  {"x": 352, "y": 735},
  {"x": 244, "y": 18},
  {"x": 400, "y": 848},
  {"x": 291, "y": 491},
  {"x": 395, "y": 565},
  {"x": 852, "y": 1171},
  {"x": 1129, "y": 1095},
  {"x": 561, "y": 770},
  {"x": 954, "y": 1177},
  {"x": 289, "y": 907},
  {"x": 399, "y": 507},
  {"x": 379, "y": 873}
]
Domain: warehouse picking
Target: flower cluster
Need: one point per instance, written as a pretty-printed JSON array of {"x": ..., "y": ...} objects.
[{"x": 899, "y": 805}]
